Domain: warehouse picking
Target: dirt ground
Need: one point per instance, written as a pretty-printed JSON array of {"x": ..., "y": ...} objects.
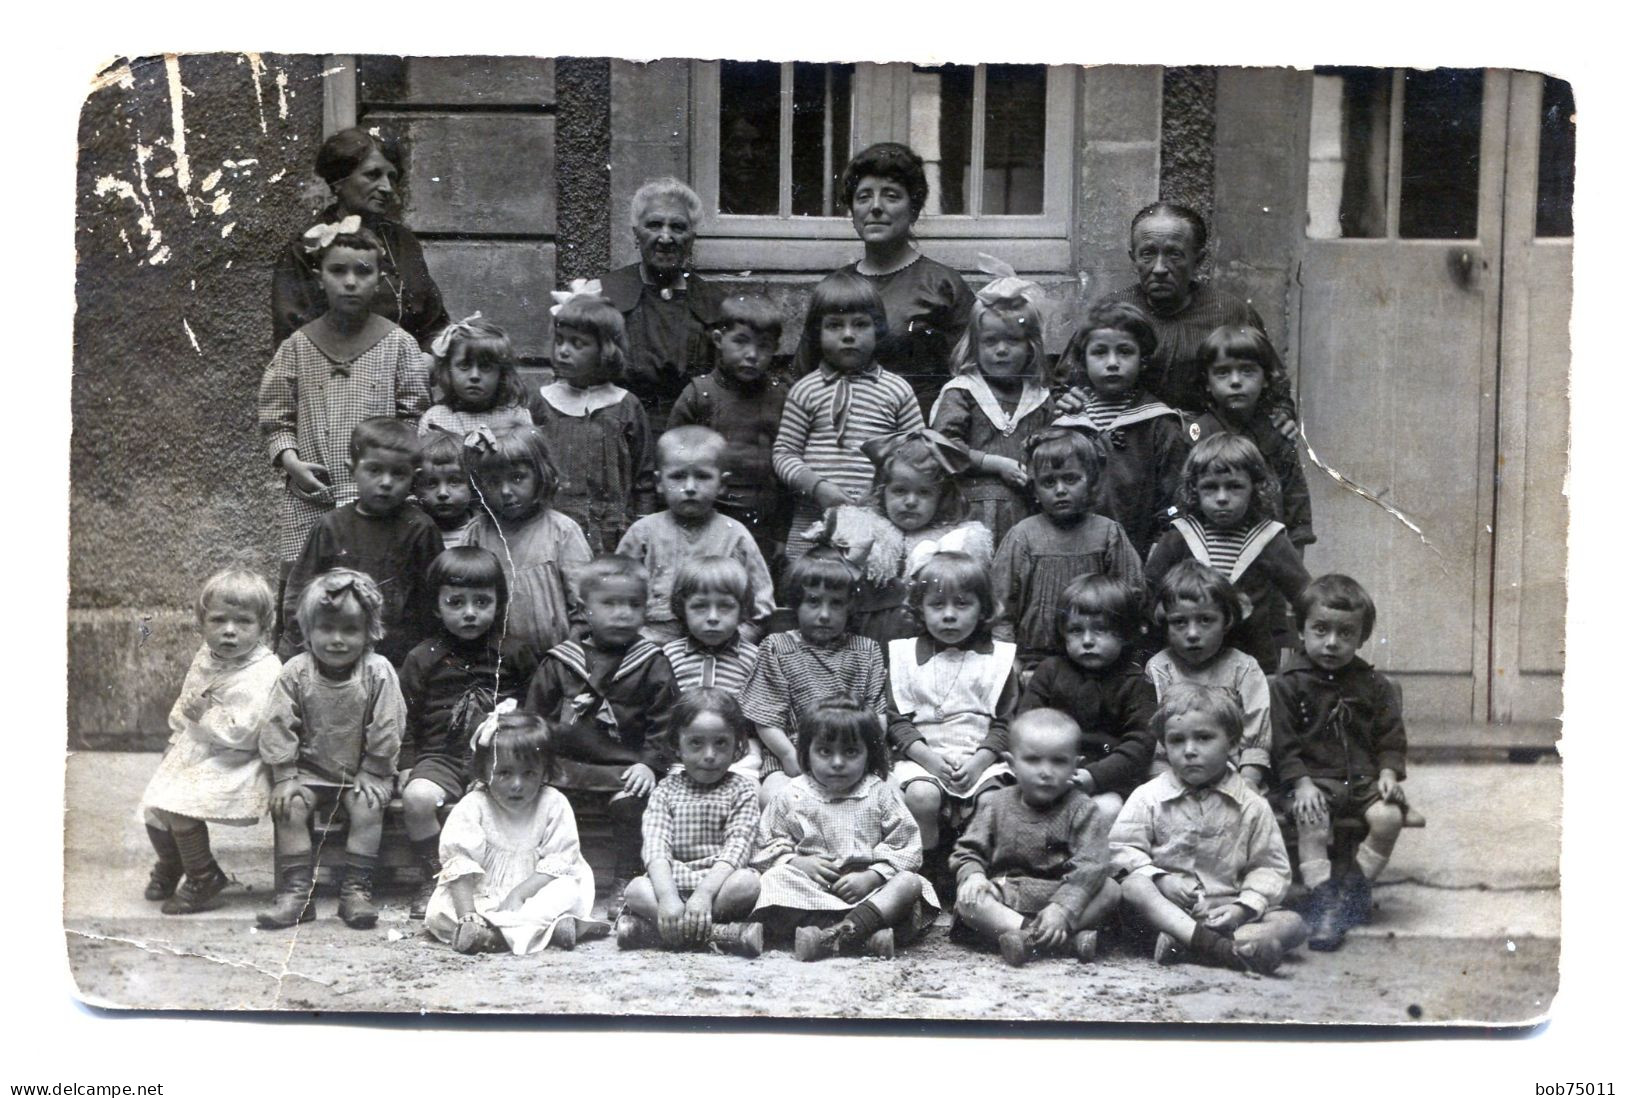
[{"x": 228, "y": 965}]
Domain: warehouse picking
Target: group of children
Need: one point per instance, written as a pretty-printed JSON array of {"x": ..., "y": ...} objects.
[{"x": 1033, "y": 671}]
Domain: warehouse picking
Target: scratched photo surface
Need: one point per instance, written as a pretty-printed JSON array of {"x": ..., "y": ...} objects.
[{"x": 1403, "y": 237}]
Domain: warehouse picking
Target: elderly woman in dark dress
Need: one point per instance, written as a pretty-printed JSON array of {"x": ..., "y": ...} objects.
[
  {"x": 362, "y": 172},
  {"x": 927, "y": 304},
  {"x": 668, "y": 309},
  {"x": 1168, "y": 243}
]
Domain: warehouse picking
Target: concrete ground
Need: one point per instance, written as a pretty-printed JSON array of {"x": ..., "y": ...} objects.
[{"x": 1466, "y": 930}]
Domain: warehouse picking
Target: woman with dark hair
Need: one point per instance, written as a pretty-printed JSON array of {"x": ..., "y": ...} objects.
[
  {"x": 927, "y": 304},
  {"x": 362, "y": 172}
]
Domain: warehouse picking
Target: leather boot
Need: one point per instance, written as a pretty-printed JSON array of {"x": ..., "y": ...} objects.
[
  {"x": 295, "y": 900},
  {"x": 195, "y": 893},
  {"x": 741, "y": 939},
  {"x": 355, "y": 899},
  {"x": 636, "y": 932},
  {"x": 1326, "y": 917}
]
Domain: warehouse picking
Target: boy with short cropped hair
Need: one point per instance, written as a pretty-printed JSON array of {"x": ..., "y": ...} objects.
[
  {"x": 1339, "y": 752},
  {"x": 380, "y": 534},
  {"x": 690, "y": 477},
  {"x": 1032, "y": 866},
  {"x": 743, "y": 399},
  {"x": 1198, "y": 853}
]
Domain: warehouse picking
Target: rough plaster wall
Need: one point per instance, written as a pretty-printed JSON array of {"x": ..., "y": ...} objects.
[
  {"x": 582, "y": 150},
  {"x": 192, "y": 174},
  {"x": 1188, "y": 99}
]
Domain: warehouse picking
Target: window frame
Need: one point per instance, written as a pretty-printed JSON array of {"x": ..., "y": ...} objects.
[{"x": 880, "y": 112}]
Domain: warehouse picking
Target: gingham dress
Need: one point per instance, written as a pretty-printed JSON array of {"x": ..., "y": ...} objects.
[
  {"x": 792, "y": 676},
  {"x": 696, "y": 826},
  {"x": 310, "y": 403}
]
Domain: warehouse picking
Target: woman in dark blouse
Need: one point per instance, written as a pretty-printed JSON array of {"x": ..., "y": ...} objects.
[
  {"x": 927, "y": 303},
  {"x": 363, "y": 173}
]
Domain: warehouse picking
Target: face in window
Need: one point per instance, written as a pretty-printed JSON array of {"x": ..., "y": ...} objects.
[
  {"x": 1111, "y": 358},
  {"x": 467, "y": 612},
  {"x": 665, "y": 236},
  {"x": 880, "y": 211},
  {"x": 1223, "y": 496},
  {"x": 1234, "y": 385},
  {"x": 1331, "y": 637},
  {"x": 847, "y": 341},
  {"x": 1163, "y": 248},
  {"x": 1195, "y": 631},
  {"x": 349, "y": 280},
  {"x": 370, "y": 189}
]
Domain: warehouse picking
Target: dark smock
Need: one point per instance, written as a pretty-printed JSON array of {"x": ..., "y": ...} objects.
[
  {"x": 1173, "y": 374},
  {"x": 669, "y": 338}
]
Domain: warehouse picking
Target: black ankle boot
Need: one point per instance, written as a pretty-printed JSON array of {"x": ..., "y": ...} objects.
[
  {"x": 295, "y": 900},
  {"x": 195, "y": 893},
  {"x": 425, "y": 891},
  {"x": 1326, "y": 917},
  {"x": 355, "y": 899}
]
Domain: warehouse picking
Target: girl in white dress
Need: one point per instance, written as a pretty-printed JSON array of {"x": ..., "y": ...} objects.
[
  {"x": 958, "y": 687},
  {"x": 512, "y": 875},
  {"x": 211, "y": 770}
]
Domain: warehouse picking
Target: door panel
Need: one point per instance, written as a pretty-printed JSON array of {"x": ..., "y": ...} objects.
[{"x": 1397, "y": 347}]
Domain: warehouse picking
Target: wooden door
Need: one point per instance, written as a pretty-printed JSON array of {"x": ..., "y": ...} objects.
[
  {"x": 1398, "y": 333},
  {"x": 1531, "y": 512}
]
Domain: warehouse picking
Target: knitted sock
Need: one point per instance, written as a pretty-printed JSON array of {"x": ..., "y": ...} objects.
[
  {"x": 865, "y": 920},
  {"x": 1316, "y": 872},
  {"x": 626, "y": 829},
  {"x": 163, "y": 842},
  {"x": 193, "y": 843},
  {"x": 1370, "y": 862},
  {"x": 427, "y": 851}
]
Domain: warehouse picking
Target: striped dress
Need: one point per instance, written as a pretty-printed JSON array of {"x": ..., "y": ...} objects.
[{"x": 828, "y": 416}]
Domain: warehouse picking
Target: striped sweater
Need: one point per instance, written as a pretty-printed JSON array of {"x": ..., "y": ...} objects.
[{"x": 816, "y": 442}]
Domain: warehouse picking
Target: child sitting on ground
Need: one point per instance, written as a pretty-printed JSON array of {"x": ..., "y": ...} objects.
[
  {"x": 331, "y": 731},
  {"x": 211, "y": 771},
  {"x": 698, "y": 834},
  {"x": 689, "y": 476},
  {"x": 443, "y": 487},
  {"x": 380, "y": 534},
  {"x": 1198, "y": 852},
  {"x": 837, "y": 846},
  {"x": 450, "y": 683},
  {"x": 707, "y": 597},
  {"x": 796, "y": 671},
  {"x": 1339, "y": 748},
  {"x": 608, "y": 699},
  {"x": 1033, "y": 865},
  {"x": 513, "y": 877},
  {"x": 476, "y": 378},
  {"x": 743, "y": 400},
  {"x": 1067, "y": 539},
  {"x": 1196, "y": 607},
  {"x": 1099, "y": 685},
  {"x": 847, "y": 400}
]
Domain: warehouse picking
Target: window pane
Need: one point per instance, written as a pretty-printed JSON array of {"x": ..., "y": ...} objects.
[
  {"x": 1348, "y": 154},
  {"x": 1554, "y": 207},
  {"x": 940, "y": 111},
  {"x": 820, "y": 138},
  {"x": 1438, "y": 190},
  {"x": 1013, "y": 164},
  {"x": 748, "y": 157}
]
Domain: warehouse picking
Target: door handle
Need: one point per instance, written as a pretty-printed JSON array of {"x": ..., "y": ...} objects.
[{"x": 1462, "y": 266}]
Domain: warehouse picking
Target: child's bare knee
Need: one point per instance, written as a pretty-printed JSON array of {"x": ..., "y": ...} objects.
[
  {"x": 421, "y": 798},
  {"x": 295, "y": 812},
  {"x": 922, "y": 798},
  {"x": 1317, "y": 834},
  {"x": 360, "y": 810}
]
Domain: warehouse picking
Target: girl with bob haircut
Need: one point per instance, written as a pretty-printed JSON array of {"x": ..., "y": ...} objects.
[
  {"x": 1230, "y": 502},
  {"x": 599, "y": 432},
  {"x": 513, "y": 877},
  {"x": 536, "y": 545},
  {"x": 211, "y": 769},
  {"x": 837, "y": 846},
  {"x": 476, "y": 376}
]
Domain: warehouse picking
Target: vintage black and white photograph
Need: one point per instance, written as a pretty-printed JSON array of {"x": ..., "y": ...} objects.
[{"x": 858, "y": 540}]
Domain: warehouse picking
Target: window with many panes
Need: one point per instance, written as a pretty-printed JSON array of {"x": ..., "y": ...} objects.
[{"x": 770, "y": 140}]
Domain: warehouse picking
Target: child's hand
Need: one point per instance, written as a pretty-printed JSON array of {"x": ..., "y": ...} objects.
[
  {"x": 308, "y": 479},
  {"x": 820, "y": 869},
  {"x": 193, "y": 709},
  {"x": 1228, "y": 918},
  {"x": 401, "y": 778},
  {"x": 1070, "y": 402},
  {"x": 670, "y": 919},
  {"x": 1284, "y": 423},
  {"x": 697, "y": 919},
  {"x": 934, "y": 764},
  {"x": 1084, "y": 781},
  {"x": 286, "y": 792},
  {"x": 855, "y": 886},
  {"x": 962, "y": 777},
  {"x": 976, "y": 889},
  {"x": 638, "y": 780},
  {"x": 1389, "y": 789},
  {"x": 1049, "y": 929},
  {"x": 1009, "y": 470},
  {"x": 374, "y": 790},
  {"x": 827, "y": 494},
  {"x": 1309, "y": 803},
  {"x": 1176, "y": 891}
]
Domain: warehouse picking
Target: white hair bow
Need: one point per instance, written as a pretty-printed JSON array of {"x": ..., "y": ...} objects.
[
  {"x": 488, "y": 727},
  {"x": 590, "y": 286},
  {"x": 441, "y": 345},
  {"x": 320, "y": 236},
  {"x": 1005, "y": 285},
  {"x": 956, "y": 540}
]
